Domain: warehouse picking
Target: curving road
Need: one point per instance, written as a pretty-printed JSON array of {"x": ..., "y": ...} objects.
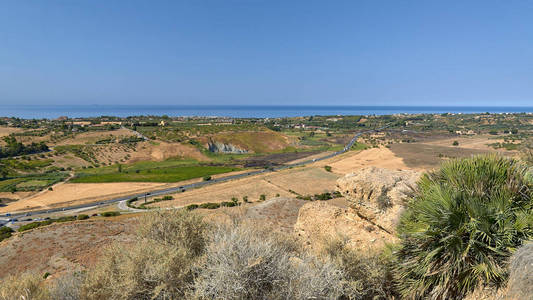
[{"x": 185, "y": 187}]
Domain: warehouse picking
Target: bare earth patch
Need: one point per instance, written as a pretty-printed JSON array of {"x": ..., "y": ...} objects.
[
  {"x": 61, "y": 246},
  {"x": 378, "y": 157},
  {"x": 5, "y": 131},
  {"x": 162, "y": 150}
]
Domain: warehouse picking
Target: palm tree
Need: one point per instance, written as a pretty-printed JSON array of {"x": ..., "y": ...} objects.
[{"x": 461, "y": 226}]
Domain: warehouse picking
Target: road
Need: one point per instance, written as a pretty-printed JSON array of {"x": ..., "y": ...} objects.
[{"x": 186, "y": 187}]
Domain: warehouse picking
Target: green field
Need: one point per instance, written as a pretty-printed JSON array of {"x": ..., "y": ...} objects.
[
  {"x": 33, "y": 182},
  {"x": 161, "y": 174}
]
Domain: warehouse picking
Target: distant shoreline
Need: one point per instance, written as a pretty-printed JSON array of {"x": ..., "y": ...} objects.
[{"x": 237, "y": 111}]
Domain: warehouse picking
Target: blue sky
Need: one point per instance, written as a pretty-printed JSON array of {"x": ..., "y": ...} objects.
[{"x": 266, "y": 52}]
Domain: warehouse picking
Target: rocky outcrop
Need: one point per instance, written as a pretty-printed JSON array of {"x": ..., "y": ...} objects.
[
  {"x": 377, "y": 194},
  {"x": 218, "y": 147},
  {"x": 520, "y": 285},
  {"x": 319, "y": 221}
]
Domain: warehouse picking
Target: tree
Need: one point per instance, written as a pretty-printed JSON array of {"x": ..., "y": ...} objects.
[
  {"x": 462, "y": 225},
  {"x": 455, "y": 143}
]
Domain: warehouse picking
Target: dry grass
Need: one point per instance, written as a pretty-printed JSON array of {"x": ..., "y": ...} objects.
[
  {"x": 26, "y": 287},
  {"x": 158, "y": 266},
  {"x": 242, "y": 262}
]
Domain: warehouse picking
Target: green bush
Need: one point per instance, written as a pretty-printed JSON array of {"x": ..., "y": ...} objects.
[
  {"x": 83, "y": 217},
  {"x": 210, "y": 205},
  {"x": 262, "y": 197},
  {"x": 327, "y": 168},
  {"x": 229, "y": 204},
  {"x": 455, "y": 143},
  {"x": 207, "y": 178},
  {"x": 110, "y": 214},
  {"x": 461, "y": 227},
  {"x": 191, "y": 206},
  {"x": 5, "y": 232},
  {"x": 166, "y": 198}
]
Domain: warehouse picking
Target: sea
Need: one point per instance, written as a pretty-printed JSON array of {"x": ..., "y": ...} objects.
[{"x": 236, "y": 111}]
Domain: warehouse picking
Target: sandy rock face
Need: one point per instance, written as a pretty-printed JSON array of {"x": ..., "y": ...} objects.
[
  {"x": 320, "y": 221},
  {"x": 377, "y": 194}
]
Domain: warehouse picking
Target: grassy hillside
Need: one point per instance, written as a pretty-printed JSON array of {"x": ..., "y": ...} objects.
[{"x": 253, "y": 141}]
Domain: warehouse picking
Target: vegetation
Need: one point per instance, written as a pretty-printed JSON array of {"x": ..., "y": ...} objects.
[
  {"x": 170, "y": 174},
  {"x": 327, "y": 168},
  {"x": 14, "y": 148},
  {"x": 462, "y": 226},
  {"x": 33, "y": 225},
  {"x": 110, "y": 214},
  {"x": 5, "y": 232}
]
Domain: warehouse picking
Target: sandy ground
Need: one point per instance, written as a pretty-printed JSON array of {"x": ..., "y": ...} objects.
[
  {"x": 5, "y": 131},
  {"x": 61, "y": 246},
  {"x": 305, "y": 180},
  {"x": 478, "y": 142},
  {"x": 379, "y": 157}
]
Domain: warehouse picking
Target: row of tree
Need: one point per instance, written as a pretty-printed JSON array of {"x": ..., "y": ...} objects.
[{"x": 15, "y": 148}]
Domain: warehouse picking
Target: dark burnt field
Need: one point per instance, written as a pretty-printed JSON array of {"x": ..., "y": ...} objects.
[{"x": 276, "y": 159}]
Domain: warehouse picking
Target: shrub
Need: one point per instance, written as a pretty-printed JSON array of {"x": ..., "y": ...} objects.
[
  {"x": 210, "y": 205},
  {"x": 461, "y": 227},
  {"x": 110, "y": 214},
  {"x": 191, "y": 206},
  {"x": 83, "y": 217},
  {"x": 144, "y": 270},
  {"x": 207, "y": 178},
  {"x": 245, "y": 263},
  {"x": 245, "y": 199},
  {"x": 327, "y": 168},
  {"x": 323, "y": 196},
  {"x": 5, "y": 232},
  {"x": 25, "y": 286},
  {"x": 179, "y": 228},
  {"x": 157, "y": 266},
  {"x": 67, "y": 287},
  {"x": 262, "y": 197},
  {"x": 228, "y": 204},
  {"x": 455, "y": 143},
  {"x": 367, "y": 273},
  {"x": 166, "y": 198}
]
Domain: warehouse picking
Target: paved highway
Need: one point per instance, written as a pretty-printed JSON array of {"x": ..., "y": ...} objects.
[{"x": 187, "y": 186}]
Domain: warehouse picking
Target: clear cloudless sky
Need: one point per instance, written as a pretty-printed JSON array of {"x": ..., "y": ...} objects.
[{"x": 266, "y": 52}]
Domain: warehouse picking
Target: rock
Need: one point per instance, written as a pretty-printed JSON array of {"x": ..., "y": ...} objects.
[
  {"x": 377, "y": 194},
  {"x": 520, "y": 284},
  {"x": 218, "y": 147},
  {"x": 319, "y": 221}
]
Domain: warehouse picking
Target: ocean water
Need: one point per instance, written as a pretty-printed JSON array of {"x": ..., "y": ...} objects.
[{"x": 54, "y": 111}]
